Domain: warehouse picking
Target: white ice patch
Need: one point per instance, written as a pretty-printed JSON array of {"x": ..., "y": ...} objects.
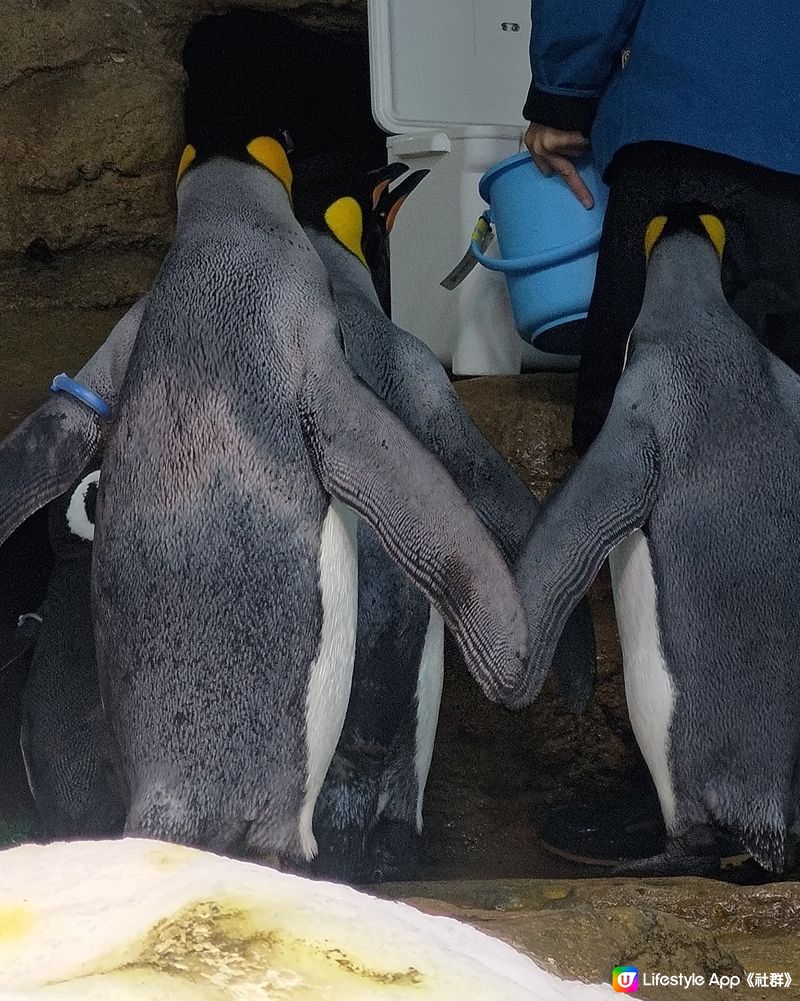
[
  {"x": 648, "y": 685},
  {"x": 77, "y": 519},
  {"x": 429, "y": 696},
  {"x": 331, "y": 674},
  {"x": 107, "y": 919}
]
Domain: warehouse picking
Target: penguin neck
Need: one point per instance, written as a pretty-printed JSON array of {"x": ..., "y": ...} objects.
[
  {"x": 683, "y": 277},
  {"x": 225, "y": 188},
  {"x": 347, "y": 274},
  {"x": 683, "y": 288},
  {"x": 685, "y": 316}
]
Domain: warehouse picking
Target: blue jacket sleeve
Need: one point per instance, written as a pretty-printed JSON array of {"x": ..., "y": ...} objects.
[{"x": 575, "y": 47}]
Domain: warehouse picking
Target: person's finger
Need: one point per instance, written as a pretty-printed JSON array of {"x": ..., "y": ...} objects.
[
  {"x": 561, "y": 165},
  {"x": 543, "y": 165},
  {"x": 571, "y": 151},
  {"x": 555, "y": 141},
  {"x": 540, "y": 148}
]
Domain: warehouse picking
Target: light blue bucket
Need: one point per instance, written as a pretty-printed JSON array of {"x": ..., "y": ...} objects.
[{"x": 548, "y": 242}]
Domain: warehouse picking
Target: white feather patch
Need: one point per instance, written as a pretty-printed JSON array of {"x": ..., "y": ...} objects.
[
  {"x": 429, "y": 696},
  {"x": 77, "y": 519},
  {"x": 649, "y": 690},
  {"x": 331, "y": 674}
]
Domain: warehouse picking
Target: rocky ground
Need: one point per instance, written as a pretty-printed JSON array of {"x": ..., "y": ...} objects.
[{"x": 583, "y": 928}]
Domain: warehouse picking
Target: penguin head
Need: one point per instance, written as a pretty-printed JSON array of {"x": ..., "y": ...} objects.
[
  {"x": 240, "y": 94},
  {"x": 314, "y": 83},
  {"x": 355, "y": 208},
  {"x": 685, "y": 217},
  {"x": 71, "y": 516}
]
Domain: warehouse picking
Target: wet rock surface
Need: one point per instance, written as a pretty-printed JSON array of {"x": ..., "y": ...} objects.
[{"x": 583, "y": 928}]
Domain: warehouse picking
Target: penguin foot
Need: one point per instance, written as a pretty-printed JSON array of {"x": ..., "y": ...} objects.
[
  {"x": 699, "y": 853},
  {"x": 671, "y": 863},
  {"x": 345, "y": 812},
  {"x": 272, "y": 861},
  {"x": 605, "y": 829},
  {"x": 695, "y": 853}
]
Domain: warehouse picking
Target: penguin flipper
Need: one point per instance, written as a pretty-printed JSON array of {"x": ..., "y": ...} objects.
[
  {"x": 42, "y": 457},
  {"x": 367, "y": 458},
  {"x": 411, "y": 381},
  {"x": 409, "y": 378},
  {"x": 608, "y": 495},
  {"x": 415, "y": 387},
  {"x": 46, "y": 453}
]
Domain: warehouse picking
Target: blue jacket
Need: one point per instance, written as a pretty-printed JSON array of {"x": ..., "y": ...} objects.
[{"x": 723, "y": 75}]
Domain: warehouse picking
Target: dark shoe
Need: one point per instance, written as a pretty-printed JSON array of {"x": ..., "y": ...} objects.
[{"x": 605, "y": 830}]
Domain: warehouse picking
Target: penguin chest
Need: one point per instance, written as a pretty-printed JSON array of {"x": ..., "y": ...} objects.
[
  {"x": 331, "y": 672},
  {"x": 649, "y": 689}
]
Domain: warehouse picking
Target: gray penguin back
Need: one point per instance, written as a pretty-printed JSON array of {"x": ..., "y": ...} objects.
[
  {"x": 210, "y": 512},
  {"x": 724, "y": 540}
]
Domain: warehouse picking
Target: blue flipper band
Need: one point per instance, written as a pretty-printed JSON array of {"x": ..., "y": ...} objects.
[{"x": 63, "y": 384}]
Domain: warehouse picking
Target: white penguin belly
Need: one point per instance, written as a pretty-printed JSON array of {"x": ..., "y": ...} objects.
[
  {"x": 429, "y": 697},
  {"x": 331, "y": 674},
  {"x": 649, "y": 690}
]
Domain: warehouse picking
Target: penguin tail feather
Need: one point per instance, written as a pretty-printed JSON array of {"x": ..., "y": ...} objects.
[
  {"x": 761, "y": 826},
  {"x": 768, "y": 848},
  {"x": 158, "y": 812}
]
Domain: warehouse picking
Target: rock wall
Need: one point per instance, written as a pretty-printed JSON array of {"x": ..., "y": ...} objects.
[{"x": 90, "y": 125}]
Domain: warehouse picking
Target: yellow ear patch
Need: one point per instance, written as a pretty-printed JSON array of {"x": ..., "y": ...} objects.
[
  {"x": 716, "y": 232},
  {"x": 187, "y": 159},
  {"x": 345, "y": 220},
  {"x": 654, "y": 229},
  {"x": 270, "y": 154}
]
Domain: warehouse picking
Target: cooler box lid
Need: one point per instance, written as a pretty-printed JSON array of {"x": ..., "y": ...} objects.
[{"x": 439, "y": 64}]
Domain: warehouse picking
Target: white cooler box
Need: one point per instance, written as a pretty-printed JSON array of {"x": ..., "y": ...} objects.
[{"x": 449, "y": 79}]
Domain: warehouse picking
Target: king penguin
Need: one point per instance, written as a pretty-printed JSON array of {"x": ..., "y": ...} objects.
[
  {"x": 62, "y": 731},
  {"x": 224, "y": 568},
  {"x": 691, "y": 487},
  {"x": 369, "y": 814},
  {"x": 64, "y": 739}
]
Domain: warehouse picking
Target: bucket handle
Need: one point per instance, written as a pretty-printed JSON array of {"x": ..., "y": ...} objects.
[{"x": 545, "y": 259}]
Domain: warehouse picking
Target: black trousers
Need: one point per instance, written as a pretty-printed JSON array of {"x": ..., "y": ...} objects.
[{"x": 760, "y": 267}]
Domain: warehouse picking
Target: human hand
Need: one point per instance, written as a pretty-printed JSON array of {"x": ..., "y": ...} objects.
[{"x": 553, "y": 150}]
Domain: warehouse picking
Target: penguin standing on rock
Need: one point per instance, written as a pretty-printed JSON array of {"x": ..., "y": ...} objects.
[
  {"x": 224, "y": 571},
  {"x": 370, "y": 809},
  {"x": 692, "y": 489}
]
